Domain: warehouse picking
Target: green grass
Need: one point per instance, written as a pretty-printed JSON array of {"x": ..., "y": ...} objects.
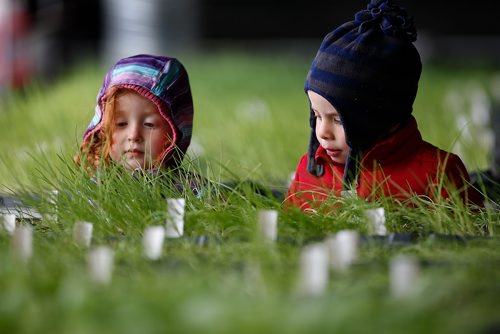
[
  {"x": 251, "y": 114},
  {"x": 235, "y": 283}
]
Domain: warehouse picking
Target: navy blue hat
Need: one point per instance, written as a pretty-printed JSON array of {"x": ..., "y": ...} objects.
[{"x": 368, "y": 69}]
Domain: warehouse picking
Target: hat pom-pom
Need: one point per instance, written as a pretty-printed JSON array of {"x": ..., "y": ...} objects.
[{"x": 392, "y": 20}]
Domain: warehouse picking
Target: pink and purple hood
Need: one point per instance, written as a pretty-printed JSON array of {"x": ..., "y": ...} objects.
[{"x": 165, "y": 82}]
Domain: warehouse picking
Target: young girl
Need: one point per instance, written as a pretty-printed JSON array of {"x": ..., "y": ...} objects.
[
  {"x": 144, "y": 116},
  {"x": 364, "y": 140}
]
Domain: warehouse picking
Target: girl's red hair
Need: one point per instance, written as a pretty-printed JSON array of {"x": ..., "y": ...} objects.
[{"x": 95, "y": 148}]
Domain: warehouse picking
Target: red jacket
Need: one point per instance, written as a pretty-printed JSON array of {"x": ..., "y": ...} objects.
[{"x": 400, "y": 166}]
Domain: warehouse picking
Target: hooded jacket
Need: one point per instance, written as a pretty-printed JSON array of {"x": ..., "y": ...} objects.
[
  {"x": 368, "y": 69},
  {"x": 400, "y": 167},
  {"x": 162, "y": 80}
]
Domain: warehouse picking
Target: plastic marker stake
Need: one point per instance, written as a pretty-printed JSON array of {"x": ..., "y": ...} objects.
[
  {"x": 404, "y": 274},
  {"x": 347, "y": 247},
  {"x": 351, "y": 193},
  {"x": 268, "y": 225},
  {"x": 82, "y": 233},
  {"x": 202, "y": 240},
  {"x": 53, "y": 195},
  {"x": 252, "y": 278},
  {"x": 314, "y": 269},
  {"x": 152, "y": 241},
  {"x": 175, "y": 218},
  {"x": 9, "y": 223},
  {"x": 100, "y": 264},
  {"x": 291, "y": 177},
  {"x": 22, "y": 242},
  {"x": 377, "y": 220},
  {"x": 343, "y": 249}
]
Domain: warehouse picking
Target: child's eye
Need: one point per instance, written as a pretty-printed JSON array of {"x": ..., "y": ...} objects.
[
  {"x": 121, "y": 124},
  {"x": 337, "y": 120},
  {"x": 149, "y": 125}
]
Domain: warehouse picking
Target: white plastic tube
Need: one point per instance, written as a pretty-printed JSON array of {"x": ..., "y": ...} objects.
[
  {"x": 100, "y": 264},
  {"x": 9, "y": 222},
  {"x": 404, "y": 274},
  {"x": 376, "y": 218},
  {"x": 82, "y": 233},
  {"x": 314, "y": 270},
  {"x": 175, "y": 217},
  {"x": 22, "y": 242},
  {"x": 152, "y": 241},
  {"x": 343, "y": 249},
  {"x": 268, "y": 225}
]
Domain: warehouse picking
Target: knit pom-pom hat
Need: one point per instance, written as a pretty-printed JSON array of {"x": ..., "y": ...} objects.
[
  {"x": 162, "y": 80},
  {"x": 368, "y": 69}
]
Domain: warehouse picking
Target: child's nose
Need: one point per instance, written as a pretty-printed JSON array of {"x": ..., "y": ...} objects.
[
  {"x": 325, "y": 131},
  {"x": 134, "y": 133}
]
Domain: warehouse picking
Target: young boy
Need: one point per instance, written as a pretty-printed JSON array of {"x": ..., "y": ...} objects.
[{"x": 364, "y": 139}]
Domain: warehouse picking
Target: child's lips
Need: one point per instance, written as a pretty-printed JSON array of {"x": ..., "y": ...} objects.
[
  {"x": 333, "y": 152},
  {"x": 134, "y": 152}
]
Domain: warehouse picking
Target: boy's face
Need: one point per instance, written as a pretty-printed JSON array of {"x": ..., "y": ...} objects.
[
  {"x": 329, "y": 129},
  {"x": 140, "y": 134}
]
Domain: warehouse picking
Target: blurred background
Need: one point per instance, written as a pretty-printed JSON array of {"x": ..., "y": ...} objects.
[
  {"x": 247, "y": 61},
  {"x": 41, "y": 38}
]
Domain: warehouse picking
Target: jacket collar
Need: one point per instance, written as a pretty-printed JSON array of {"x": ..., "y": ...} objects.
[{"x": 397, "y": 146}]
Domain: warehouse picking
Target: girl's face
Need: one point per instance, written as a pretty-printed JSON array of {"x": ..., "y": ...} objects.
[
  {"x": 139, "y": 133},
  {"x": 329, "y": 129}
]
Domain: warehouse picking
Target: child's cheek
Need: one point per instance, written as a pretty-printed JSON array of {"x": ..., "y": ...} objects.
[
  {"x": 157, "y": 148},
  {"x": 114, "y": 152}
]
